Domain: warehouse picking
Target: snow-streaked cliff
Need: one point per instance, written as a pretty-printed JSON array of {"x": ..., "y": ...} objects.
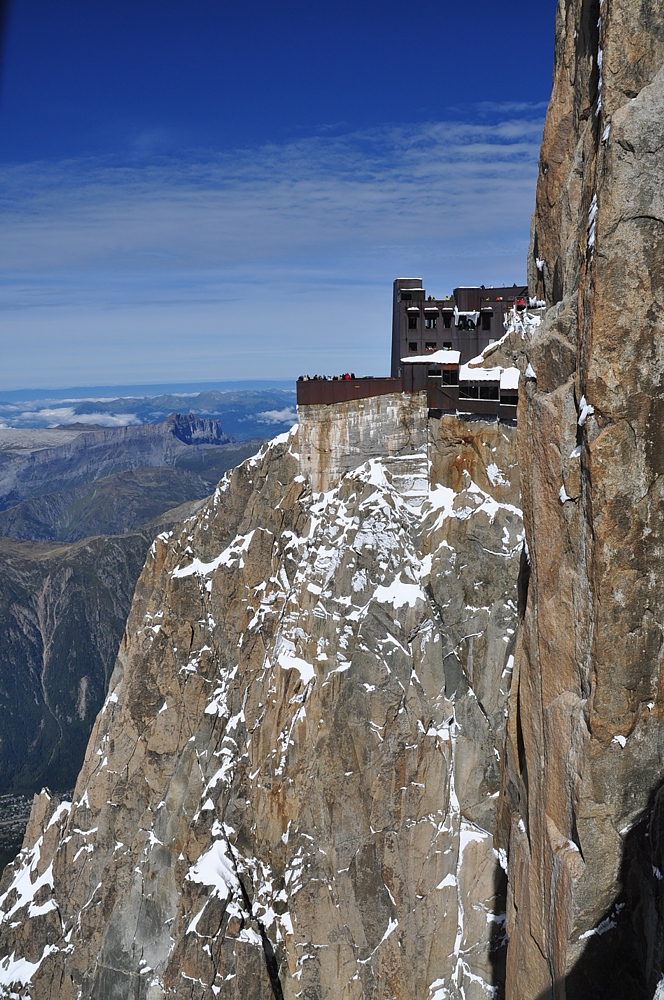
[{"x": 291, "y": 788}]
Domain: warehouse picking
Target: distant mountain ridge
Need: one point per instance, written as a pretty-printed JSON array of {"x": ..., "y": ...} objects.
[
  {"x": 245, "y": 413},
  {"x": 114, "y": 505},
  {"x": 185, "y": 427},
  {"x": 183, "y": 439},
  {"x": 78, "y": 512}
]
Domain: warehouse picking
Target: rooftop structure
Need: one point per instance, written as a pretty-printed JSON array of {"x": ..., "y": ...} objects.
[{"x": 467, "y": 321}]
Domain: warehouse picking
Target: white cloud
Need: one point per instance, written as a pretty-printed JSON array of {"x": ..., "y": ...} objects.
[
  {"x": 105, "y": 419},
  {"x": 263, "y": 262},
  {"x": 288, "y": 414},
  {"x": 62, "y": 416}
]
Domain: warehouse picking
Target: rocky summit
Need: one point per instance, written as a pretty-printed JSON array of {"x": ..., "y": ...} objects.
[{"x": 291, "y": 788}]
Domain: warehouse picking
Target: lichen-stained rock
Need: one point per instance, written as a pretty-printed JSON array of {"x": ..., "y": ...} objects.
[
  {"x": 585, "y": 734},
  {"x": 291, "y": 788}
]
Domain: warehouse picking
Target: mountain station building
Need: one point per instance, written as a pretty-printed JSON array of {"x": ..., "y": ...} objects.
[
  {"x": 433, "y": 341},
  {"x": 467, "y": 321}
]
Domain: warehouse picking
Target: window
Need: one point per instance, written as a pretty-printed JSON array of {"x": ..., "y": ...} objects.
[
  {"x": 430, "y": 322},
  {"x": 430, "y": 345},
  {"x": 412, "y": 321},
  {"x": 406, "y": 296},
  {"x": 465, "y": 323},
  {"x": 412, "y": 346},
  {"x": 447, "y": 346},
  {"x": 450, "y": 377},
  {"x": 489, "y": 392},
  {"x": 447, "y": 321},
  {"x": 469, "y": 392},
  {"x": 486, "y": 321},
  {"x": 509, "y": 398}
]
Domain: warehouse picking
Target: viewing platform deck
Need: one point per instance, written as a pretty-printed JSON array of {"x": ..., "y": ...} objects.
[
  {"x": 315, "y": 392},
  {"x": 440, "y": 397}
]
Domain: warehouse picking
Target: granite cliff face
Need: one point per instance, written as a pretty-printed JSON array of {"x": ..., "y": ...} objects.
[
  {"x": 582, "y": 808},
  {"x": 291, "y": 789}
]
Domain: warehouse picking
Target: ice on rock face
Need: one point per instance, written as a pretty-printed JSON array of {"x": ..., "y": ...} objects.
[
  {"x": 522, "y": 322},
  {"x": 495, "y": 475},
  {"x": 231, "y": 554},
  {"x": 592, "y": 223},
  {"x": 585, "y": 411},
  {"x": 216, "y": 869}
]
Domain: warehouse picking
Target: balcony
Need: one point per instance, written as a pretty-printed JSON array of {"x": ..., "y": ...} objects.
[{"x": 317, "y": 392}]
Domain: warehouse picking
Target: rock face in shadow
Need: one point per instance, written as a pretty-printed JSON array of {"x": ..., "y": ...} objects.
[
  {"x": 291, "y": 788},
  {"x": 584, "y": 761}
]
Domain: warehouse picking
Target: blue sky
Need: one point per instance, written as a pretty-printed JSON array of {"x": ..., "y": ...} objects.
[{"x": 224, "y": 191}]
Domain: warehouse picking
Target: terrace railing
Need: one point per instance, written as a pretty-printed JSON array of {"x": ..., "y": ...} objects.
[{"x": 318, "y": 391}]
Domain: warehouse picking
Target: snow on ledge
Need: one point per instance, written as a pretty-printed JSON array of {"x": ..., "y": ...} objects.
[
  {"x": 398, "y": 594},
  {"x": 287, "y": 660},
  {"x": 231, "y": 553},
  {"x": 18, "y": 971}
]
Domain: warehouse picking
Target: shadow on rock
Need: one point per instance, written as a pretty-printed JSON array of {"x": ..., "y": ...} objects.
[
  {"x": 624, "y": 956},
  {"x": 498, "y": 945}
]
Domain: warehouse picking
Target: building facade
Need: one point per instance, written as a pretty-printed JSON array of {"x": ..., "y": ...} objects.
[
  {"x": 467, "y": 321},
  {"x": 432, "y": 342}
]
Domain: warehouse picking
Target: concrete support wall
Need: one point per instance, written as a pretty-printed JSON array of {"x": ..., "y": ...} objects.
[{"x": 336, "y": 438}]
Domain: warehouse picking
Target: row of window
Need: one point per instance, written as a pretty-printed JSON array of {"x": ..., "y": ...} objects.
[
  {"x": 479, "y": 392},
  {"x": 487, "y": 392},
  {"x": 430, "y": 322},
  {"x": 464, "y": 322}
]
